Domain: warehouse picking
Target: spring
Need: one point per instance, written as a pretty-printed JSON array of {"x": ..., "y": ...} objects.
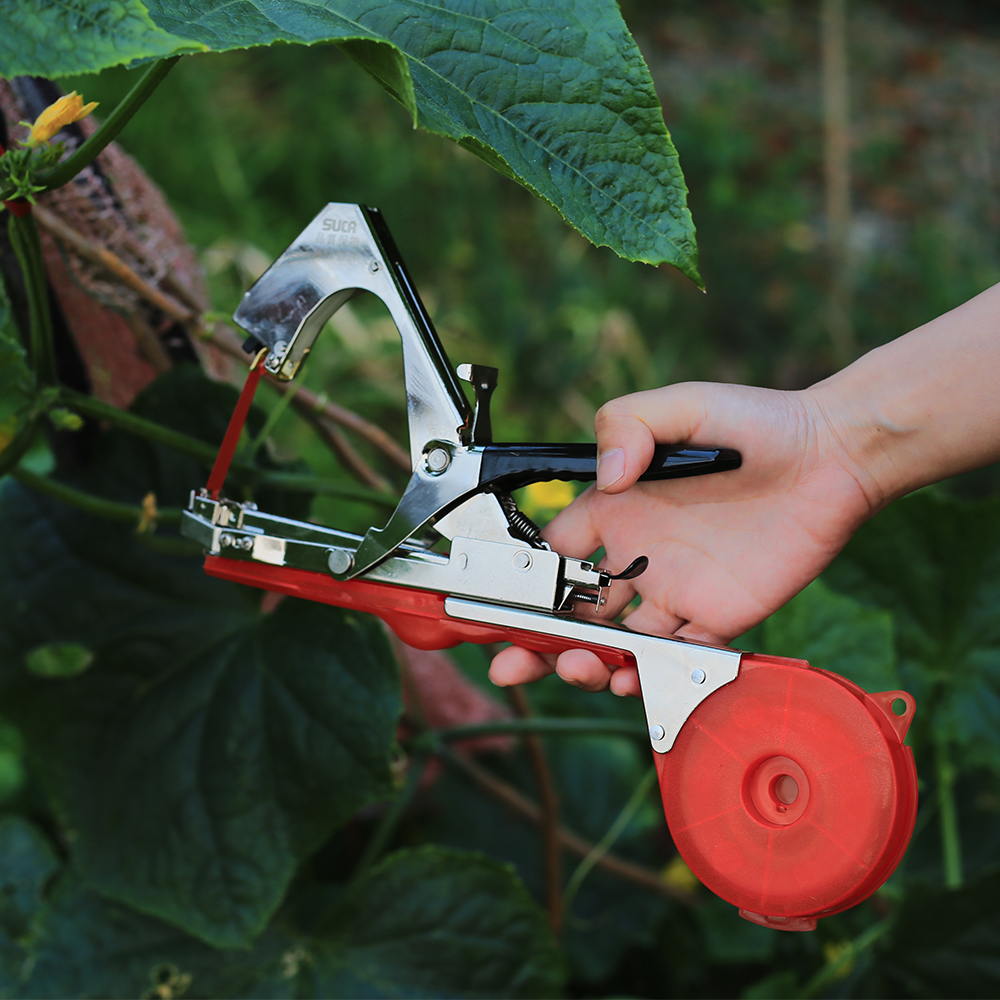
[{"x": 521, "y": 526}]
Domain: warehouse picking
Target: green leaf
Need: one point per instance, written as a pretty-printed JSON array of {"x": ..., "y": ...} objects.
[
  {"x": 594, "y": 778},
  {"x": 27, "y": 862},
  {"x": 86, "y": 946},
  {"x": 935, "y": 564},
  {"x": 60, "y": 659},
  {"x": 208, "y": 747},
  {"x": 426, "y": 923},
  {"x": 835, "y": 633},
  {"x": 555, "y": 96},
  {"x": 946, "y": 942},
  {"x": 59, "y": 37},
  {"x": 433, "y": 922}
]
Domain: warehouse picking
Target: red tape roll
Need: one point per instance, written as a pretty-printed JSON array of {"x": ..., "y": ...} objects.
[{"x": 789, "y": 792}]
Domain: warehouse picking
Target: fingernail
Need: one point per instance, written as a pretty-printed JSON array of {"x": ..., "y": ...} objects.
[{"x": 610, "y": 468}]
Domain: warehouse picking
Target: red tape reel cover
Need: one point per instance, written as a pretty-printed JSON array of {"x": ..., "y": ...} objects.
[{"x": 789, "y": 792}]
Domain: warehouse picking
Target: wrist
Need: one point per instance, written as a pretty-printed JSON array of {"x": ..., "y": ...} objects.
[{"x": 864, "y": 435}]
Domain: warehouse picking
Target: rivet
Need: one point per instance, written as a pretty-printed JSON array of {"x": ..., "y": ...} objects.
[
  {"x": 657, "y": 733},
  {"x": 522, "y": 560},
  {"x": 339, "y": 560},
  {"x": 462, "y": 560},
  {"x": 698, "y": 676},
  {"x": 373, "y": 266}
]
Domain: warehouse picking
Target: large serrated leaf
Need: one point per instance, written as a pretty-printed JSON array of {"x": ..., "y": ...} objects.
[
  {"x": 425, "y": 923},
  {"x": 434, "y": 922},
  {"x": 207, "y": 747},
  {"x": 59, "y": 37},
  {"x": 556, "y": 96},
  {"x": 86, "y": 946}
]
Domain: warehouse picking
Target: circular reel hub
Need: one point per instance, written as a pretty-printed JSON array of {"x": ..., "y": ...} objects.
[{"x": 789, "y": 792}]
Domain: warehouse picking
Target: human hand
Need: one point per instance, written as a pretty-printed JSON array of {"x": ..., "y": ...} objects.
[{"x": 725, "y": 550}]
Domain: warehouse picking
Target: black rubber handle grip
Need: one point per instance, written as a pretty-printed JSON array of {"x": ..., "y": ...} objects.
[{"x": 511, "y": 466}]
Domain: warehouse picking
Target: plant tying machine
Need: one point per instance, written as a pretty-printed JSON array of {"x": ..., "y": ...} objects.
[{"x": 787, "y": 789}]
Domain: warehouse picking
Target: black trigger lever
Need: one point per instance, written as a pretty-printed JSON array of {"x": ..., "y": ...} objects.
[{"x": 635, "y": 568}]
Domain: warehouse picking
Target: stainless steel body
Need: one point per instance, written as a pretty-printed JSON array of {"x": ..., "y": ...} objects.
[{"x": 498, "y": 570}]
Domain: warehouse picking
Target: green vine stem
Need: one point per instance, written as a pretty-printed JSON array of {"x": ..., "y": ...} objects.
[
  {"x": 205, "y": 452},
  {"x": 109, "y": 129},
  {"x": 90, "y": 503},
  {"x": 391, "y": 818},
  {"x": 951, "y": 845},
  {"x": 845, "y": 958},
  {"x": 27, "y": 247},
  {"x": 606, "y": 842}
]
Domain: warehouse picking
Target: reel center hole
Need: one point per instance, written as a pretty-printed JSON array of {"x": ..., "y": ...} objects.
[{"x": 776, "y": 791}]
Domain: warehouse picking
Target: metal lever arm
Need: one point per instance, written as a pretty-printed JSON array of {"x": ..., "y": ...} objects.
[{"x": 344, "y": 250}]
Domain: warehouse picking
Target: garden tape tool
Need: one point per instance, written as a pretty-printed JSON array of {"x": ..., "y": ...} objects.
[{"x": 787, "y": 789}]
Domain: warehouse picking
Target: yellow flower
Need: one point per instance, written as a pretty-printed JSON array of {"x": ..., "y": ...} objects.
[
  {"x": 680, "y": 876},
  {"x": 553, "y": 496},
  {"x": 66, "y": 110}
]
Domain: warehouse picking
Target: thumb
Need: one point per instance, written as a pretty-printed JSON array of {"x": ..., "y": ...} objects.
[{"x": 628, "y": 428}]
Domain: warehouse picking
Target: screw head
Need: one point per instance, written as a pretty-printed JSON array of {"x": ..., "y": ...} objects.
[
  {"x": 698, "y": 676},
  {"x": 339, "y": 560},
  {"x": 437, "y": 461},
  {"x": 522, "y": 560},
  {"x": 657, "y": 733}
]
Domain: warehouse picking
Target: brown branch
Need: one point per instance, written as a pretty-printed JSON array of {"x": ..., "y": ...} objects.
[
  {"x": 103, "y": 257},
  {"x": 341, "y": 447},
  {"x": 524, "y": 807},
  {"x": 549, "y": 801}
]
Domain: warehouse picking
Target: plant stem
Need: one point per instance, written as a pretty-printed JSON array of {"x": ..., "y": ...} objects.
[
  {"x": 951, "y": 846},
  {"x": 549, "y": 801},
  {"x": 92, "y": 407},
  {"x": 205, "y": 452},
  {"x": 832, "y": 971},
  {"x": 390, "y": 819},
  {"x": 111, "y": 509},
  {"x": 110, "y": 127},
  {"x": 272, "y": 418},
  {"x": 608, "y": 840},
  {"x": 28, "y": 250}
]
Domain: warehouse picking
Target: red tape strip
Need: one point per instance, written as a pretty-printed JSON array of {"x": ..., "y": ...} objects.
[{"x": 228, "y": 448}]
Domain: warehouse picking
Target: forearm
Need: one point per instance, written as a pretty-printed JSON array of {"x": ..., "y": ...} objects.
[{"x": 923, "y": 407}]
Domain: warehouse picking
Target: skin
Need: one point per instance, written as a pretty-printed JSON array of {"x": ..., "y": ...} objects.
[{"x": 727, "y": 550}]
